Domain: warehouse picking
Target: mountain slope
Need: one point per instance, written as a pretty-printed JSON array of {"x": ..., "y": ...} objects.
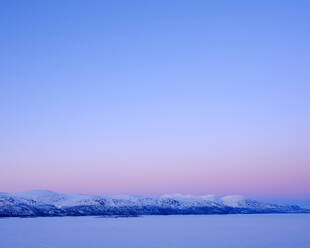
[{"x": 48, "y": 203}]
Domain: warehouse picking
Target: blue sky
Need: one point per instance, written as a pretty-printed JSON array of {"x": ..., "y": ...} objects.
[{"x": 205, "y": 97}]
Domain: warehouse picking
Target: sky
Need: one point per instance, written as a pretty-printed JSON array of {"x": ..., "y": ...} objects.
[{"x": 155, "y": 97}]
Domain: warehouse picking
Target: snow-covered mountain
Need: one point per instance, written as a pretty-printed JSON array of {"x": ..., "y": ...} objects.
[{"x": 49, "y": 203}]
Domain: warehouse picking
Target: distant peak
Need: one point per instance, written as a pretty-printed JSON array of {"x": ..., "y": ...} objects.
[{"x": 38, "y": 192}]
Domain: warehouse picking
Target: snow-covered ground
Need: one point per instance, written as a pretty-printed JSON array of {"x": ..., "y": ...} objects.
[
  {"x": 214, "y": 231},
  {"x": 48, "y": 203}
]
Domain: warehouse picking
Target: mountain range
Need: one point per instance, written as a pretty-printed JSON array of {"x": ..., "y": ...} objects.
[{"x": 48, "y": 203}]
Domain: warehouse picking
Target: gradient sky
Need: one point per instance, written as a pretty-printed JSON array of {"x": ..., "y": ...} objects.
[{"x": 152, "y": 97}]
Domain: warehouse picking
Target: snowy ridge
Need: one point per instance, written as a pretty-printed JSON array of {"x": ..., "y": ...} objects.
[{"x": 49, "y": 203}]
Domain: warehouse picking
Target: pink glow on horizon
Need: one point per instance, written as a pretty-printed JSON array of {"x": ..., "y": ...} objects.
[{"x": 180, "y": 177}]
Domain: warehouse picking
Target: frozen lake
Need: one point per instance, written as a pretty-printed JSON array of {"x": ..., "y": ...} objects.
[{"x": 264, "y": 230}]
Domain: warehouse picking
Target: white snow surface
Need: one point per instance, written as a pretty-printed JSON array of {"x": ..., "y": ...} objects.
[
  {"x": 215, "y": 231},
  {"x": 234, "y": 200},
  {"x": 66, "y": 200}
]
